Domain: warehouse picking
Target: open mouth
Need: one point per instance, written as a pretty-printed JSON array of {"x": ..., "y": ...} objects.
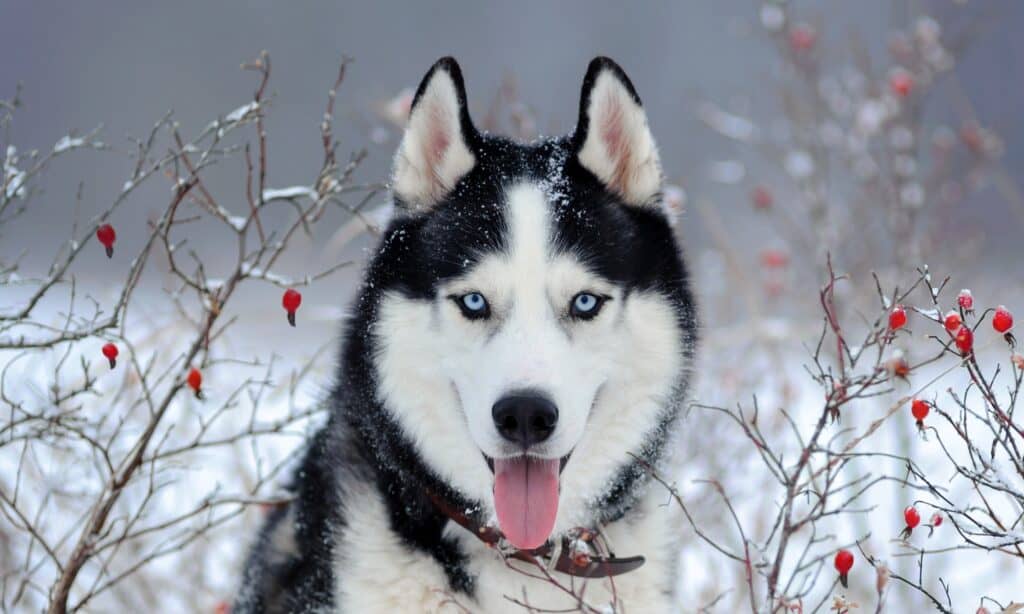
[
  {"x": 561, "y": 462},
  {"x": 526, "y": 497}
]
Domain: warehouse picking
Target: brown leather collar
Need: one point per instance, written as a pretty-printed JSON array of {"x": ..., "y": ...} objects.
[{"x": 576, "y": 553}]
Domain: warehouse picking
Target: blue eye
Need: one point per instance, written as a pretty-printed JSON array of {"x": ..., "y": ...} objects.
[
  {"x": 474, "y": 301},
  {"x": 473, "y": 305},
  {"x": 586, "y": 305}
]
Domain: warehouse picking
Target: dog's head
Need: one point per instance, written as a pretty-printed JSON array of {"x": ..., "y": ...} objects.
[{"x": 532, "y": 325}]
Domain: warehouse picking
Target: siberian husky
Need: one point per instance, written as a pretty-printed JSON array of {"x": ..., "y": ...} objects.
[{"x": 512, "y": 372}]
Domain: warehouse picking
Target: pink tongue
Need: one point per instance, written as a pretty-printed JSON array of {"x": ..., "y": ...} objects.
[{"x": 526, "y": 499}]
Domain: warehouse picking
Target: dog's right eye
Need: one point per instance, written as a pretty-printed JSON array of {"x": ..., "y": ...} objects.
[{"x": 473, "y": 305}]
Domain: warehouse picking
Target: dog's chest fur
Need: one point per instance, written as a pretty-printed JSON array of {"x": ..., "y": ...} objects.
[{"x": 376, "y": 572}]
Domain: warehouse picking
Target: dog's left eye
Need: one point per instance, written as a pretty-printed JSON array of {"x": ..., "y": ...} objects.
[
  {"x": 585, "y": 305},
  {"x": 473, "y": 305}
]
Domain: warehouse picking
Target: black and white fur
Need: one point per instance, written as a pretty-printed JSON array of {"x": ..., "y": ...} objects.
[{"x": 529, "y": 226}]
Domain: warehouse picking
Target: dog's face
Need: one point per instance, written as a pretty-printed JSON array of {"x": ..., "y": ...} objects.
[{"x": 534, "y": 325}]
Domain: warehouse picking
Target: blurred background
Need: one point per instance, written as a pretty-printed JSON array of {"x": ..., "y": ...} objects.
[
  {"x": 884, "y": 133},
  {"x": 123, "y": 64}
]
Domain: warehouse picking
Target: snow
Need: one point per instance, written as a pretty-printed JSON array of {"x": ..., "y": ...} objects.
[
  {"x": 379, "y": 135},
  {"x": 292, "y": 192},
  {"x": 242, "y": 112},
  {"x": 237, "y": 222},
  {"x": 871, "y": 114},
  {"x": 799, "y": 164},
  {"x": 259, "y": 273},
  {"x": 727, "y": 171},
  {"x": 927, "y": 30},
  {"x": 772, "y": 17},
  {"x": 727, "y": 124},
  {"x": 66, "y": 143},
  {"x": 231, "y": 118},
  {"x": 13, "y": 178}
]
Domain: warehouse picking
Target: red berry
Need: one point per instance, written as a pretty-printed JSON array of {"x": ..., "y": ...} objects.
[
  {"x": 912, "y": 517},
  {"x": 105, "y": 235},
  {"x": 897, "y": 317},
  {"x": 964, "y": 340},
  {"x": 291, "y": 301},
  {"x": 1002, "y": 320},
  {"x": 952, "y": 321},
  {"x": 195, "y": 381},
  {"x": 802, "y": 37},
  {"x": 936, "y": 519},
  {"x": 920, "y": 409},
  {"x": 901, "y": 83},
  {"x": 844, "y": 561},
  {"x": 774, "y": 259},
  {"x": 762, "y": 198},
  {"x": 965, "y": 300},
  {"x": 110, "y": 351}
]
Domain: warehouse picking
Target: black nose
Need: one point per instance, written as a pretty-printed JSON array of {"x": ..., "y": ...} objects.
[{"x": 525, "y": 418}]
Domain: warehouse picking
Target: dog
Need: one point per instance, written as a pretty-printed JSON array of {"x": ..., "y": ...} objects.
[{"x": 512, "y": 376}]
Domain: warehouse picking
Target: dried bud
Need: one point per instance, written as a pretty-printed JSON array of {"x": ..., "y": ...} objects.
[
  {"x": 881, "y": 579},
  {"x": 898, "y": 366}
]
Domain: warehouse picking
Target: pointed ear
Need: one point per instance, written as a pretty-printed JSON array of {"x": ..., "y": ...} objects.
[
  {"x": 437, "y": 148},
  {"x": 612, "y": 139}
]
